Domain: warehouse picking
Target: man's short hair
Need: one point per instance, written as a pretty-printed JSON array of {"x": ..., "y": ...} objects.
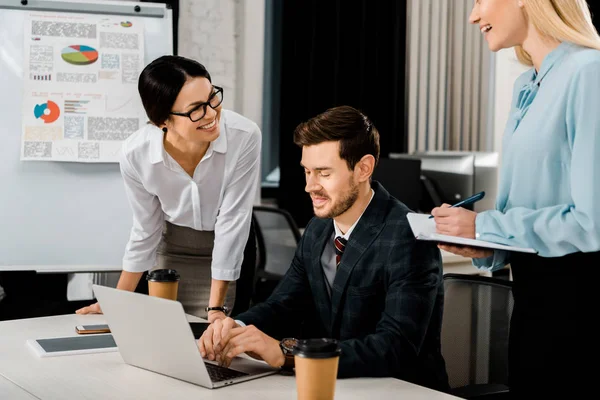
[{"x": 354, "y": 130}]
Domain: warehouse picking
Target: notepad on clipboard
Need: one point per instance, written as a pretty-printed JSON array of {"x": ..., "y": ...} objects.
[{"x": 423, "y": 228}]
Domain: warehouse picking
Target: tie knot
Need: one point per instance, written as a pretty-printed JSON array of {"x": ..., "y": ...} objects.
[{"x": 340, "y": 245}]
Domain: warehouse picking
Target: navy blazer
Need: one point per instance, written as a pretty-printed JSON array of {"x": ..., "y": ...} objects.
[{"x": 386, "y": 301}]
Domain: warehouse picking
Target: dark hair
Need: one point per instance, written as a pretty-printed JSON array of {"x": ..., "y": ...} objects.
[
  {"x": 161, "y": 81},
  {"x": 354, "y": 130}
]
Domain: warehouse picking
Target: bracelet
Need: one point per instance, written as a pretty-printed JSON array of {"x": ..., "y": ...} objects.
[{"x": 223, "y": 309}]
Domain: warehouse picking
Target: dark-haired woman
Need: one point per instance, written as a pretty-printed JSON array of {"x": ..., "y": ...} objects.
[{"x": 191, "y": 179}]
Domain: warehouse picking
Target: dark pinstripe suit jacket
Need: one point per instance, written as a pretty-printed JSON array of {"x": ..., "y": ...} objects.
[{"x": 386, "y": 302}]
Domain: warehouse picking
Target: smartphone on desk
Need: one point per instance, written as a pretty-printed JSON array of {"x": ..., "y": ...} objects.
[
  {"x": 89, "y": 329},
  {"x": 198, "y": 329}
]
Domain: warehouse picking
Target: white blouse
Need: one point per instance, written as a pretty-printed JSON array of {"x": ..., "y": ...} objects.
[{"x": 218, "y": 197}]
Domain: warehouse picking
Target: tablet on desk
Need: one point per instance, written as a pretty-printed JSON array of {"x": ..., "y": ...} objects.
[{"x": 64, "y": 346}]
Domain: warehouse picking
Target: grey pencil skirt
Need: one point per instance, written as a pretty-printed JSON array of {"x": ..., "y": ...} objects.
[{"x": 190, "y": 253}]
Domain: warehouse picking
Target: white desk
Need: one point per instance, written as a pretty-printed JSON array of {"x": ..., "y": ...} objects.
[
  {"x": 105, "y": 375},
  {"x": 65, "y": 269},
  {"x": 451, "y": 262},
  {"x": 10, "y": 391},
  {"x": 78, "y": 286}
]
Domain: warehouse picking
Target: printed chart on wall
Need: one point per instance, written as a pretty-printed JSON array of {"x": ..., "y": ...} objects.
[{"x": 81, "y": 99}]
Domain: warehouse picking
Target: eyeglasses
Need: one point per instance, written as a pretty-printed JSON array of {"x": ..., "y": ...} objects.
[{"x": 198, "y": 112}]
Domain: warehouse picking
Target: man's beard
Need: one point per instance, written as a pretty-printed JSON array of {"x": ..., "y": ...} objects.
[{"x": 347, "y": 201}]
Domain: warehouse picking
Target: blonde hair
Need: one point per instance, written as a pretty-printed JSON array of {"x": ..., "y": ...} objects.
[{"x": 563, "y": 20}]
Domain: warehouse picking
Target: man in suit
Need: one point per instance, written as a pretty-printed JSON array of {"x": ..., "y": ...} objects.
[{"x": 358, "y": 274}]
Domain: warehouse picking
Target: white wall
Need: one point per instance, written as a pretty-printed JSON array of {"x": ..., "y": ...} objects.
[
  {"x": 252, "y": 49},
  {"x": 508, "y": 70},
  {"x": 207, "y": 34},
  {"x": 227, "y": 36},
  {"x": 251, "y": 45}
]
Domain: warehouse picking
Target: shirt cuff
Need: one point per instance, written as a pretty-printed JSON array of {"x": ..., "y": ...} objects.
[
  {"x": 491, "y": 263},
  {"x": 479, "y": 222},
  {"x": 225, "y": 274},
  {"x": 240, "y": 323},
  {"x": 484, "y": 263},
  {"x": 139, "y": 266}
]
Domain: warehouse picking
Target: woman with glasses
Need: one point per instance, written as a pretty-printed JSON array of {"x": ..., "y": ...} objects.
[{"x": 191, "y": 179}]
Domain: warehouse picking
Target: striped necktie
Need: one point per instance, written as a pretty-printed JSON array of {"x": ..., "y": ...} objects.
[{"x": 340, "y": 246}]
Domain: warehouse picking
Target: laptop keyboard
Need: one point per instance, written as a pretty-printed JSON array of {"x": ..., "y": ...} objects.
[{"x": 218, "y": 374}]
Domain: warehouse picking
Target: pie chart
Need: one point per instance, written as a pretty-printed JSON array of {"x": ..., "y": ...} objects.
[
  {"x": 79, "y": 54},
  {"x": 47, "y": 112}
]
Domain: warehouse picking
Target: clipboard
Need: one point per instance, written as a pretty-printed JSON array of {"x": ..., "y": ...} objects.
[{"x": 423, "y": 228}]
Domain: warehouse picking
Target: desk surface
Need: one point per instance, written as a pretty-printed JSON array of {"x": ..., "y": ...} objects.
[
  {"x": 50, "y": 269},
  {"x": 105, "y": 375},
  {"x": 9, "y": 390},
  {"x": 447, "y": 258}
]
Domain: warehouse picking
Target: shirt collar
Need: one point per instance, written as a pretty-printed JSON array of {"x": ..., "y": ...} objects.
[
  {"x": 346, "y": 236},
  {"x": 550, "y": 60},
  {"x": 157, "y": 147},
  {"x": 220, "y": 143},
  {"x": 156, "y": 144}
]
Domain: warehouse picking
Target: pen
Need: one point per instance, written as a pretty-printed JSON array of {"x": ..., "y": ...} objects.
[{"x": 467, "y": 201}]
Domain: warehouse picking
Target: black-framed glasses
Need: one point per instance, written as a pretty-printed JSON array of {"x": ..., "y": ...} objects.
[{"x": 198, "y": 112}]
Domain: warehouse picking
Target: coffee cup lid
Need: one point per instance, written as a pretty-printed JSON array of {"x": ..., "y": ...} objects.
[
  {"x": 317, "y": 348},
  {"x": 163, "y": 275}
]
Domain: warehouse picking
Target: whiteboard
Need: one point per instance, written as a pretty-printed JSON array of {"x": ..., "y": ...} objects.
[{"x": 55, "y": 213}]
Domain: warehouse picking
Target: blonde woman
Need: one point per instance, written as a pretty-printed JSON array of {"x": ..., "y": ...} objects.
[{"x": 549, "y": 193}]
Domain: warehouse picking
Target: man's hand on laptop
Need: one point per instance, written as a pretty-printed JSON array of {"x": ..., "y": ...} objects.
[
  {"x": 210, "y": 341},
  {"x": 249, "y": 339},
  {"x": 92, "y": 309},
  {"x": 215, "y": 315}
]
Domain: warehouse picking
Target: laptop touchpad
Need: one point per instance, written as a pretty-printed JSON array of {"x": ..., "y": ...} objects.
[{"x": 249, "y": 365}]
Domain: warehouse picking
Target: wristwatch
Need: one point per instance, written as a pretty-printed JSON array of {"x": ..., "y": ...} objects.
[
  {"x": 224, "y": 309},
  {"x": 287, "y": 346}
]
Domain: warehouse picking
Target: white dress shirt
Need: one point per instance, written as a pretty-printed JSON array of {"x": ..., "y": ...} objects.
[
  {"x": 218, "y": 197},
  {"x": 328, "y": 257}
]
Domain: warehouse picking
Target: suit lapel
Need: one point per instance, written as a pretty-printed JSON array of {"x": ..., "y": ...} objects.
[
  {"x": 359, "y": 242},
  {"x": 322, "y": 300},
  {"x": 366, "y": 231}
]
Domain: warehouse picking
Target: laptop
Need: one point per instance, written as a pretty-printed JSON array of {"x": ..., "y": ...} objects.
[{"x": 153, "y": 333}]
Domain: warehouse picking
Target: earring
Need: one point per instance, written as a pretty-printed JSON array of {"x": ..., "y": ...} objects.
[{"x": 164, "y": 129}]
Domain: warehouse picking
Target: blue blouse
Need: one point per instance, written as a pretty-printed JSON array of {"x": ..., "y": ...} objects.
[{"x": 549, "y": 190}]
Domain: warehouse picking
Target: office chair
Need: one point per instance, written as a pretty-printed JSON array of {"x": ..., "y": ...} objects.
[
  {"x": 475, "y": 328},
  {"x": 277, "y": 237}
]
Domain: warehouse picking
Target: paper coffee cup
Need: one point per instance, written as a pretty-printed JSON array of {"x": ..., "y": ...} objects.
[
  {"x": 163, "y": 283},
  {"x": 316, "y": 368}
]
